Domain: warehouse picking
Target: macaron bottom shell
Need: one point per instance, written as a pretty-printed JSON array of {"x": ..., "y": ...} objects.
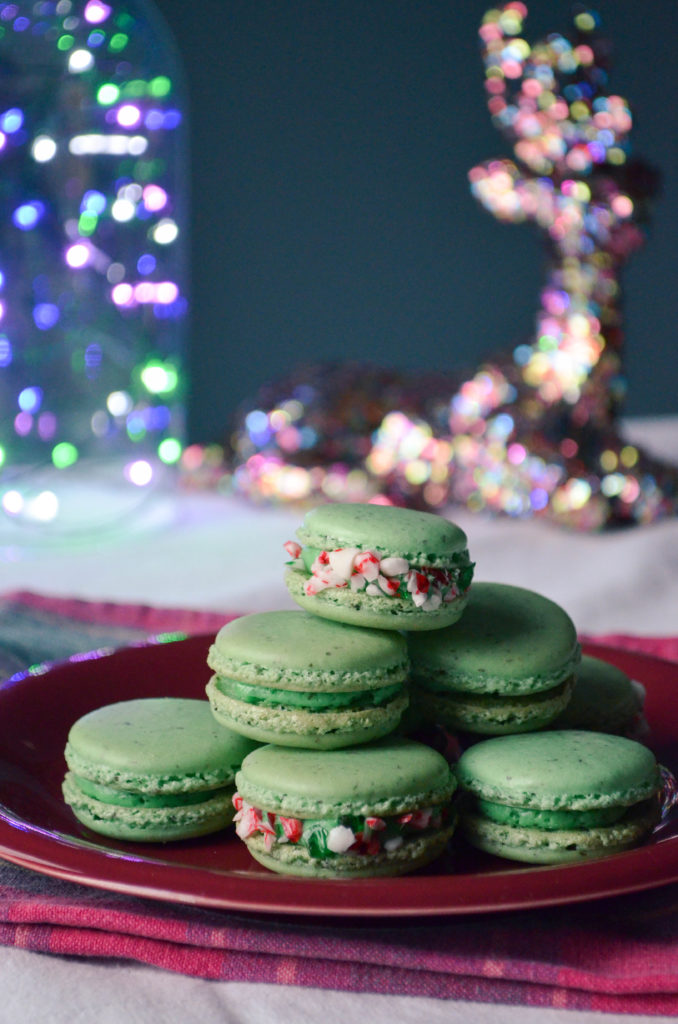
[
  {"x": 296, "y": 727},
  {"x": 341, "y": 604},
  {"x": 560, "y": 846},
  {"x": 493, "y": 714},
  {"x": 288, "y": 859},
  {"x": 146, "y": 824}
]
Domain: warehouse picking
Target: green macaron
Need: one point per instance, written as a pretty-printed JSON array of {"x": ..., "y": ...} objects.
[
  {"x": 558, "y": 796},
  {"x": 290, "y": 678},
  {"x": 152, "y": 770},
  {"x": 380, "y": 566},
  {"x": 380, "y": 809},
  {"x": 507, "y": 666},
  {"x": 604, "y": 699}
]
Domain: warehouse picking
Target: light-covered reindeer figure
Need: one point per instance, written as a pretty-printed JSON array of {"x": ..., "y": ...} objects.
[{"x": 534, "y": 431}]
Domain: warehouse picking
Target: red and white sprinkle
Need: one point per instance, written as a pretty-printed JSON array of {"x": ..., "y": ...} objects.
[
  {"x": 377, "y": 576},
  {"x": 292, "y": 830}
]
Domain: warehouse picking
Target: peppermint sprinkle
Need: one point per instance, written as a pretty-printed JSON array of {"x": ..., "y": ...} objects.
[{"x": 377, "y": 576}]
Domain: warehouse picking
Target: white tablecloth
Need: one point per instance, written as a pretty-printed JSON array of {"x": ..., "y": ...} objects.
[{"x": 207, "y": 551}]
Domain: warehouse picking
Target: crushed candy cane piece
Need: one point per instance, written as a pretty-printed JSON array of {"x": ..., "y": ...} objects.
[
  {"x": 422, "y": 819},
  {"x": 389, "y": 586},
  {"x": 394, "y": 566},
  {"x": 417, "y": 819},
  {"x": 367, "y": 564},
  {"x": 341, "y": 562},
  {"x": 248, "y": 821},
  {"x": 417, "y": 582},
  {"x": 315, "y": 584},
  {"x": 292, "y": 548},
  {"x": 268, "y": 833},
  {"x": 340, "y": 839},
  {"x": 373, "y": 846},
  {"x": 292, "y": 829}
]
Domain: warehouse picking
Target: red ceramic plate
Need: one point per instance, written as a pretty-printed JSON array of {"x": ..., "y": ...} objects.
[{"x": 38, "y": 831}]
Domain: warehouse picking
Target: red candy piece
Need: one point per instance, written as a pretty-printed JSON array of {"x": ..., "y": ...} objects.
[{"x": 292, "y": 828}]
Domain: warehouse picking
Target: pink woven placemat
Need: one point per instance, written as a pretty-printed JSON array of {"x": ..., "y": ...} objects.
[{"x": 616, "y": 955}]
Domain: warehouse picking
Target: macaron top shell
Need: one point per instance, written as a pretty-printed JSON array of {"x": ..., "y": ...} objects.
[
  {"x": 568, "y": 769},
  {"x": 604, "y": 697},
  {"x": 421, "y": 537},
  {"x": 295, "y": 650},
  {"x": 509, "y": 639},
  {"x": 155, "y": 745},
  {"x": 380, "y": 778}
]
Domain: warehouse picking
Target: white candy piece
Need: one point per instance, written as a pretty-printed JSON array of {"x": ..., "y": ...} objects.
[
  {"x": 340, "y": 839},
  {"x": 341, "y": 561},
  {"x": 389, "y": 586},
  {"x": 367, "y": 563},
  {"x": 394, "y": 566}
]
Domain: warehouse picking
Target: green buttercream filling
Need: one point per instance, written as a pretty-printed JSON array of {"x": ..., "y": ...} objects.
[
  {"x": 125, "y": 798},
  {"x": 481, "y": 700},
  {"x": 527, "y": 817},
  {"x": 320, "y": 701},
  {"x": 308, "y": 556}
]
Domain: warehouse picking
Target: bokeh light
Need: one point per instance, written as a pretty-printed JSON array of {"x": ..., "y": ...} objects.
[
  {"x": 139, "y": 473},
  {"x": 533, "y": 431},
  {"x": 64, "y": 454},
  {"x": 92, "y": 259}
]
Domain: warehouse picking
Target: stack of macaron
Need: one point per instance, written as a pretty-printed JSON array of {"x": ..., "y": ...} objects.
[
  {"x": 305, "y": 739},
  {"x": 317, "y": 694},
  {"x": 335, "y": 792}
]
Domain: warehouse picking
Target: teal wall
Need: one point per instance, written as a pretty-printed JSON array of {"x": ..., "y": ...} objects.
[{"x": 332, "y": 219}]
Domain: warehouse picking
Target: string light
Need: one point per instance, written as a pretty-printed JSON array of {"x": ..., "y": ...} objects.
[{"x": 91, "y": 261}]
